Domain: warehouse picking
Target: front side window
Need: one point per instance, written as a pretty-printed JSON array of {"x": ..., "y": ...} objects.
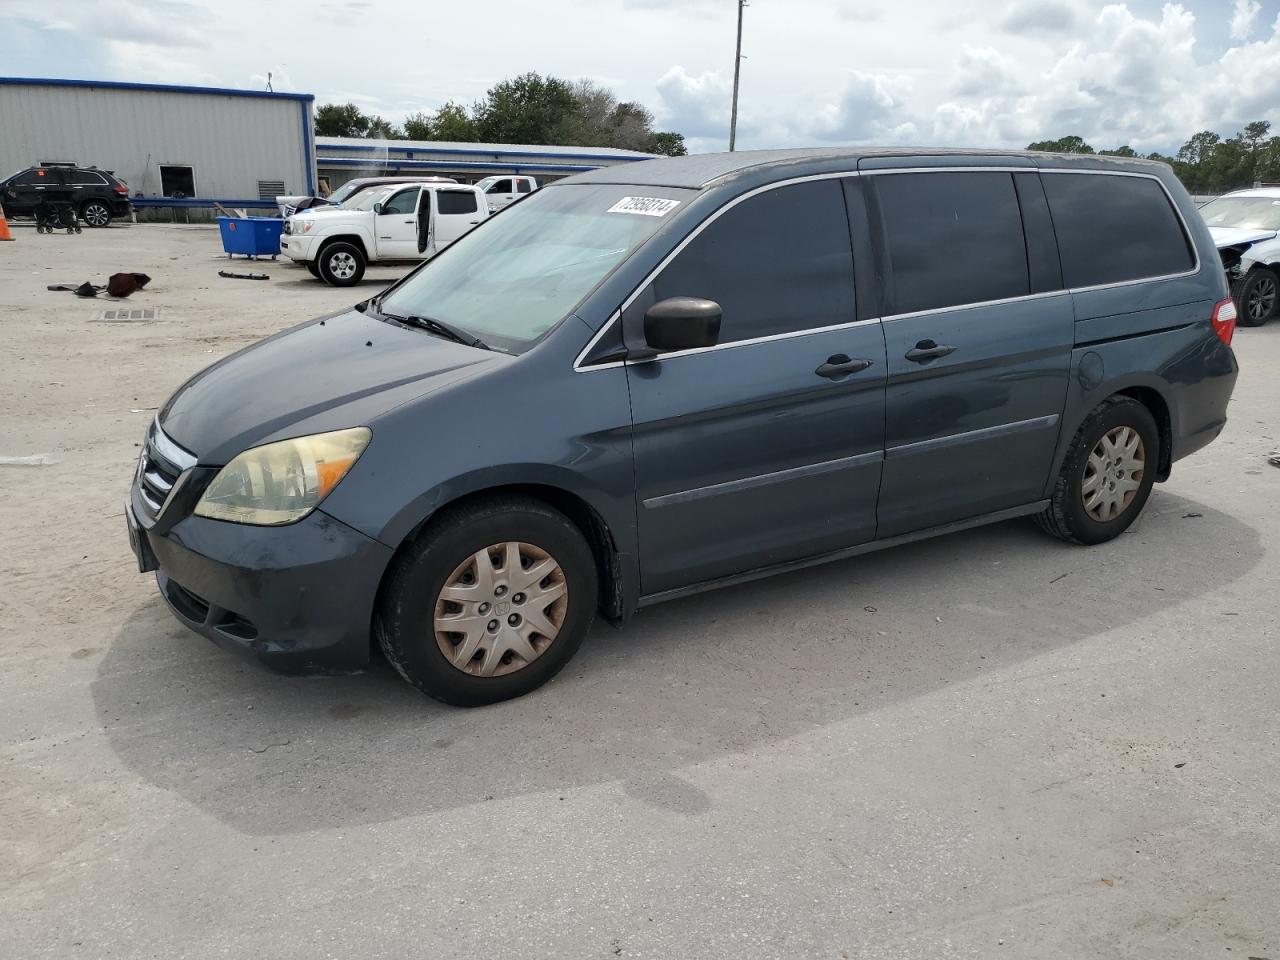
[
  {"x": 500, "y": 186},
  {"x": 1114, "y": 228},
  {"x": 405, "y": 201},
  {"x": 456, "y": 202},
  {"x": 778, "y": 262},
  {"x": 513, "y": 279},
  {"x": 951, "y": 239}
]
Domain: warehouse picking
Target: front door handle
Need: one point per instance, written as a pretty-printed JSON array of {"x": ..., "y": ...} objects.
[
  {"x": 839, "y": 365},
  {"x": 926, "y": 351}
]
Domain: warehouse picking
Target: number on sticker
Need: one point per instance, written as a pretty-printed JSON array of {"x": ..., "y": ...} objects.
[{"x": 645, "y": 206}]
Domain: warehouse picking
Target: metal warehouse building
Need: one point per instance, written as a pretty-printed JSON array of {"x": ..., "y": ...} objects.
[
  {"x": 240, "y": 147},
  {"x": 194, "y": 146},
  {"x": 340, "y": 159}
]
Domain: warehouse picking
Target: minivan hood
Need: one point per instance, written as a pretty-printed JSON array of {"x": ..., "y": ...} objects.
[
  {"x": 328, "y": 374},
  {"x": 1231, "y": 236}
]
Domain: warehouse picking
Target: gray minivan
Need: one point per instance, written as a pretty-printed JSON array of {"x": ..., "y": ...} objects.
[{"x": 666, "y": 376}]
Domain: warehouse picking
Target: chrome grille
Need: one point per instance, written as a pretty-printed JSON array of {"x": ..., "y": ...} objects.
[{"x": 160, "y": 466}]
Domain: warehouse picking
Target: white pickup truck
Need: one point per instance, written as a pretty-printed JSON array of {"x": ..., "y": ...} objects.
[
  {"x": 502, "y": 191},
  {"x": 399, "y": 222}
]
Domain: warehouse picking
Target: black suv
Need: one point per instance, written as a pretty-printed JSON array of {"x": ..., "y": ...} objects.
[{"x": 96, "y": 195}]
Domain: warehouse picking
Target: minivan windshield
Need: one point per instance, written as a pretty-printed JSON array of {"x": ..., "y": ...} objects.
[
  {"x": 510, "y": 281},
  {"x": 1257, "y": 213}
]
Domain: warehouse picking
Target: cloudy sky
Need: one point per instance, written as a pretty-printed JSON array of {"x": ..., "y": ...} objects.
[{"x": 1142, "y": 72}]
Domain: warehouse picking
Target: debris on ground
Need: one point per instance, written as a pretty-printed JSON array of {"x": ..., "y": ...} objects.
[
  {"x": 39, "y": 460},
  {"x": 242, "y": 276},
  {"x": 1274, "y": 459},
  {"x": 118, "y": 285},
  {"x": 1190, "y": 516}
]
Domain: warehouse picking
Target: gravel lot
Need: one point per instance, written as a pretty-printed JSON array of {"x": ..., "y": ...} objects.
[{"x": 988, "y": 744}]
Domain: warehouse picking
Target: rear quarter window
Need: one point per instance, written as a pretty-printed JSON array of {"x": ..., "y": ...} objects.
[{"x": 1115, "y": 228}]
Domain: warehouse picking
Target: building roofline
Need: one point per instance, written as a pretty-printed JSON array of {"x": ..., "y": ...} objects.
[
  {"x": 411, "y": 147},
  {"x": 154, "y": 87}
]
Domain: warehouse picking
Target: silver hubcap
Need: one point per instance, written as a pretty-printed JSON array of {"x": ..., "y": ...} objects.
[
  {"x": 342, "y": 265},
  {"x": 96, "y": 215},
  {"x": 501, "y": 609},
  {"x": 1113, "y": 474}
]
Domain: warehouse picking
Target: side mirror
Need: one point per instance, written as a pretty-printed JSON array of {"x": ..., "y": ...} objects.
[
  {"x": 377, "y": 208},
  {"x": 681, "y": 323}
]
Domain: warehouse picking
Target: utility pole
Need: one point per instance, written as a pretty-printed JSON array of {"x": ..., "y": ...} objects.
[{"x": 737, "y": 69}]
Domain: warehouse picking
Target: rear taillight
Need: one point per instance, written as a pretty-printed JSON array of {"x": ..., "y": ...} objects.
[
  {"x": 1224, "y": 320},
  {"x": 120, "y": 188}
]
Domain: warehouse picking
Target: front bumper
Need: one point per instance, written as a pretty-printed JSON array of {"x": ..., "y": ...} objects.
[
  {"x": 297, "y": 247},
  {"x": 299, "y": 598}
]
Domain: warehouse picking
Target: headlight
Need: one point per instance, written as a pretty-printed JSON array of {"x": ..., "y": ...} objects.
[
  {"x": 303, "y": 226},
  {"x": 282, "y": 482}
]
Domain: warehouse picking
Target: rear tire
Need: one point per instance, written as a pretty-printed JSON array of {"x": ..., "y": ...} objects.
[
  {"x": 460, "y": 616},
  {"x": 1257, "y": 297},
  {"x": 341, "y": 264},
  {"x": 1107, "y": 474},
  {"x": 96, "y": 213}
]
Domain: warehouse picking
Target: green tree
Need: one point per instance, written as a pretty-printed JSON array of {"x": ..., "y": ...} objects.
[
  {"x": 341, "y": 120},
  {"x": 382, "y": 129},
  {"x": 1199, "y": 148},
  {"x": 527, "y": 109},
  {"x": 418, "y": 126},
  {"x": 1069, "y": 144},
  {"x": 1125, "y": 151},
  {"x": 452, "y": 122},
  {"x": 669, "y": 144}
]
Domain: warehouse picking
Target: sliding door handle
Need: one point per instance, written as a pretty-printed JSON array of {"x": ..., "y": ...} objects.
[{"x": 927, "y": 350}]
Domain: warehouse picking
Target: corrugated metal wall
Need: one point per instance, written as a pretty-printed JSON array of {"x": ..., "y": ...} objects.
[{"x": 232, "y": 142}]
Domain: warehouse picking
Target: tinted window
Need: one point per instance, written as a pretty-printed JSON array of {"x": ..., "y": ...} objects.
[
  {"x": 1114, "y": 228},
  {"x": 951, "y": 239},
  {"x": 501, "y": 186},
  {"x": 32, "y": 177},
  {"x": 776, "y": 263},
  {"x": 88, "y": 177},
  {"x": 402, "y": 202},
  {"x": 456, "y": 201},
  {"x": 523, "y": 186}
]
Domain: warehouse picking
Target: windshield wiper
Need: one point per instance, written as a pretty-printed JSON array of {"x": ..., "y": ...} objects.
[{"x": 440, "y": 328}]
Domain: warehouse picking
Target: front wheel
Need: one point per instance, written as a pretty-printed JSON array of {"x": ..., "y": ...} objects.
[
  {"x": 1107, "y": 474},
  {"x": 313, "y": 268},
  {"x": 341, "y": 264},
  {"x": 489, "y": 603},
  {"x": 1257, "y": 297},
  {"x": 96, "y": 214}
]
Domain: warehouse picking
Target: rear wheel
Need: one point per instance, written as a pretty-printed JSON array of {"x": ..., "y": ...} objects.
[
  {"x": 96, "y": 213},
  {"x": 1257, "y": 297},
  {"x": 341, "y": 264},
  {"x": 1107, "y": 475},
  {"x": 489, "y": 603}
]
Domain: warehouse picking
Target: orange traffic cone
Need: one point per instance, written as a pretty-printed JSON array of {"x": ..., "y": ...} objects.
[{"x": 4, "y": 227}]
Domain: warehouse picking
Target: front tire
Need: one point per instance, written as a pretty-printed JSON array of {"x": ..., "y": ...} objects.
[
  {"x": 96, "y": 214},
  {"x": 313, "y": 268},
  {"x": 341, "y": 264},
  {"x": 489, "y": 603},
  {"x": 1257, "y": 297},
  {"x": 1107, "y": 474}
]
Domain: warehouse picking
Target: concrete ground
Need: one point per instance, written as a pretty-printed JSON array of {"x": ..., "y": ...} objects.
[{"x": 990, "y": 744}]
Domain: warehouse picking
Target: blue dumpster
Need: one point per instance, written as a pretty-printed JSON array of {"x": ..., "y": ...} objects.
[{"x": 252, "y": 236}]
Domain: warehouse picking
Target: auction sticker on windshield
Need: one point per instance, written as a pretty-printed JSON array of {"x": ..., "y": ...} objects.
[{"x": 644, "y": 206}]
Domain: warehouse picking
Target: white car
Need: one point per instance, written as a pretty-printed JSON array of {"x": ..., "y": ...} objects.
[
  {"x": 1245, "y": 226},
  {"x": 502, "y": 191},
  {"x": 289, "y": 205},
  {"x": 402, "y": 222}
]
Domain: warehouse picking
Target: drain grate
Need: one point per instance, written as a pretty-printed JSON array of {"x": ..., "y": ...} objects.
[{"x": 125, "y": 316}]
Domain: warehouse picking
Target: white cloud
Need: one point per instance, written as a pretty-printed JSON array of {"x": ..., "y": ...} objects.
[
  {"x": 1245, "y": 13},
  {"x": 695, "y": 105},
  {"x": 866, "y": 110}
]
